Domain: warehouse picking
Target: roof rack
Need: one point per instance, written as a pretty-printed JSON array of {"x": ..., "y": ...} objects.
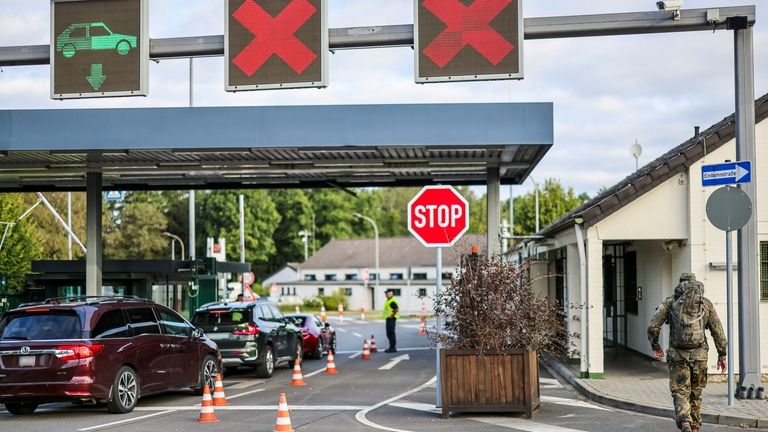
[{"x": 92, "y": 299}]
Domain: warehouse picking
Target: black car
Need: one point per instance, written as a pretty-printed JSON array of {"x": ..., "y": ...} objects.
[{"x": 251, "y": 333}]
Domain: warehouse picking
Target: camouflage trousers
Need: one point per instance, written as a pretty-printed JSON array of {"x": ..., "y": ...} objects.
[{"x": 686, "y": 382}]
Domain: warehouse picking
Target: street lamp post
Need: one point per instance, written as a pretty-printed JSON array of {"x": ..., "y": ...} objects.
[
  {"x": 178, "y": 239},
  {"x": 376, "y": 246},
  {"x": 304, "y": 234}
]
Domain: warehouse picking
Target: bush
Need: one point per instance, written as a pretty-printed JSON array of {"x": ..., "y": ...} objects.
[
  {"x": 312, "y": 303},
  {"x": 492, "y": 307},
  {"x": 332, "y": 301}
]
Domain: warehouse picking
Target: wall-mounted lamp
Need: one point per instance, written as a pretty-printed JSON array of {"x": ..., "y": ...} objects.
[{"x": 578, "y": 219}]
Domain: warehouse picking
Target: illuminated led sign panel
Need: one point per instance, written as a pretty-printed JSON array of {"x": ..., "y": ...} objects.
[
  {"x": 276, "y": 44},
  {"x": 468, "y": 40},
  {"x": 99, "y": 48}
]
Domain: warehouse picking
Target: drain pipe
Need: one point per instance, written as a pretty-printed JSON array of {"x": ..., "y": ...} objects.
[{"x": 584, "y": 368}]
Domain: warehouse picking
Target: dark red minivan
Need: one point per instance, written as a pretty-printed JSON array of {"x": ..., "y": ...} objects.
[{"x": 109, "y": 350}]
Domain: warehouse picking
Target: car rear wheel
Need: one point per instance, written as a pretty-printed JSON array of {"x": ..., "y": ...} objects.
[
  {"x": 21, "y": 408},
  {"x": 68, "y": 50},
  {"x": 318, "y": 352},
  {"x": 125, "y": 391},
  {"x": 267, "y": 366},
  {"x": 208, "y": 371},
  {"x": 123, "y": 47}
]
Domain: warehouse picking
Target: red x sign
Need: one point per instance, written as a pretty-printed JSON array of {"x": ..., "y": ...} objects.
[
  {"x": 275, "y": 43},
  {"x": 468, "y": 39}
]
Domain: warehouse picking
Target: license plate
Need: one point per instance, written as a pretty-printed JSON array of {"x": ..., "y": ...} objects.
[
  {"x": 26, "y": 361},
  {"x": 218, "y": 336}
]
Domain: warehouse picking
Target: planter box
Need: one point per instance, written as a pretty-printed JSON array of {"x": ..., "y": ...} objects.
[{"x": 493, "y": 382}]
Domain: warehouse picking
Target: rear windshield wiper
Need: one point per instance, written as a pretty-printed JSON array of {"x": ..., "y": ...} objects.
[{"x": 15, "y": 337}]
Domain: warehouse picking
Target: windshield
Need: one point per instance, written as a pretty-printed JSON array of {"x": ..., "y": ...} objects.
[
  {"x": 219, "y": 317},
  {"x": 41, "y": 326}
]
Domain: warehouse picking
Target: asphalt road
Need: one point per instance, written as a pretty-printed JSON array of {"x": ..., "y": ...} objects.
[{"x": 361, "y": 397}]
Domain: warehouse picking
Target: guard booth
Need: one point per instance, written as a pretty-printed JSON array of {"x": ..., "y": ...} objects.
[{"x": 180, "y": 285}]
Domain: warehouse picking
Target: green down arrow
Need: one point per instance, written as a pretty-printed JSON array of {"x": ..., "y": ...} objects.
[{"x": 96, "y": 78}]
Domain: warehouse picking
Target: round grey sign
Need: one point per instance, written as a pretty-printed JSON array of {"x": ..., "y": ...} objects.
[{"x": 729, "y": 208}]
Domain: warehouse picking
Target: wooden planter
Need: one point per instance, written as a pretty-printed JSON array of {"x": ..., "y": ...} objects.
[{"x": 493, "y": 382}]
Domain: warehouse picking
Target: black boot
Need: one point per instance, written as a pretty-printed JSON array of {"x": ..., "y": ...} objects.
[{"x": 686, "y": 427}]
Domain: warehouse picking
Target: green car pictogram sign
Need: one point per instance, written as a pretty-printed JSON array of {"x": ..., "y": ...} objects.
[
  {"x": 99, "y": 48},
  {"x": 93, "y": 36}
]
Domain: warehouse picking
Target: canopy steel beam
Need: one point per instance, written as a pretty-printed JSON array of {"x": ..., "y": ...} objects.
[{"x": 402, "y": 35}]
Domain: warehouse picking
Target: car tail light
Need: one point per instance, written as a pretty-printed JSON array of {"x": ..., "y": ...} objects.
[
  {"x": 37, "y": 310},
  {"x": 252, "y": 330},
  {"x": 304, "y": 332},
  {"x": 74, "y": 352}
]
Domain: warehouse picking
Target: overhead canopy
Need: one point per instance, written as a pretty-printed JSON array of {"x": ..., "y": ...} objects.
[{"x": 279, "y": 146}]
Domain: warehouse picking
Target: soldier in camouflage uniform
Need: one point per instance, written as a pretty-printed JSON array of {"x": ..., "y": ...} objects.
[{"x": 687, "y": 364}]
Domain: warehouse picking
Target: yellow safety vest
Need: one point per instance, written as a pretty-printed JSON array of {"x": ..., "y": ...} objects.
[{"x": 388, "y": 308}]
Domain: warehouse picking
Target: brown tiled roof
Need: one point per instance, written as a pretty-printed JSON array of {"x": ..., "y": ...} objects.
[
  {"x": 393, "y": 252},
  {"x": 668, "y": 165}
]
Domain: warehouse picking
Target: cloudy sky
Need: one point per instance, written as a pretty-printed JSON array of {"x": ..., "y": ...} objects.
[{"x": 607, "y": 91}]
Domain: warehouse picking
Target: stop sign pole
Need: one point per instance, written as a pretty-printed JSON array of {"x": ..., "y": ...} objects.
[{"x": 438, "y": 216}]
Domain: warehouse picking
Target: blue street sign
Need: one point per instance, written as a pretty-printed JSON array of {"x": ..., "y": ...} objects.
[
  {"x": 113, "y": 196},
  {"x": 726, "y": 173}
]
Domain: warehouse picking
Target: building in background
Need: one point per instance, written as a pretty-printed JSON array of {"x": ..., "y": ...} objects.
[{"x": 405, "y": 266}]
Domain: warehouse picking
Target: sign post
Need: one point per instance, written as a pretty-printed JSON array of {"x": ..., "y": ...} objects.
[
  {"x": 729, "y": 209},
  {"x": 438, "y": 216}
]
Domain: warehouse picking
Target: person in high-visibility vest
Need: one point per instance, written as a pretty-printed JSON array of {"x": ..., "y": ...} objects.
[{"x": 391, "y": 314}]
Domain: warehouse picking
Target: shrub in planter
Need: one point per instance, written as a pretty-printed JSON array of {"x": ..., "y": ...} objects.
[{"x": 498, "y": 327}]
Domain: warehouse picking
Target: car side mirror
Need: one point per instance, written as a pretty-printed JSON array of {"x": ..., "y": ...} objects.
[
  {"x": 327, "y": 325},
  {"x": 197, "y": 333}
]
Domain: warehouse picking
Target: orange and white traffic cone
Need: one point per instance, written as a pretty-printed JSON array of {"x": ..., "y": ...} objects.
[
  {"x": 323, "y": 314},
  {"x": 297, "y": 379},
  {"x": 422, "y": 327},
  {"x": 373, "y": 345},
  {"x": 283, "y": 423},
  {"x": 206, "y": 409},
  {"x": 219, "y": 399},
  {"x": 296, "y": 309},
  {"x": 366, "y": 351},
  {"x": 341, "y": 312},
  {"x": 331, "y": 366}
]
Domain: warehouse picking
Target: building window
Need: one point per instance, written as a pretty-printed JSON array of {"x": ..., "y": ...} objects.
[
  {"x": 310, "y": 277},
  {"x": 395, "y": 276},
  {"x": 330, "y": 277},
  {"x": 447, "y": 276},
  {"x": 373, "y": 276},
  {"x": 347, "y": 291},
  {"x": 293, "y": 291},
  {"x": 764, "y": 271},
  {"x": 321, "y": 291},
  {"x": 282, "y": 290},
  {"x": 395, "y": 291},
  {"x": 422, "y": 292},
  {"x": 419, "y": 276},
  {"x": 350, "y": 276}
]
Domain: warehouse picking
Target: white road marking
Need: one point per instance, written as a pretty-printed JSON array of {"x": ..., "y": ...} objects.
[
  {"x": 242, "y": 385},
  {"x": 357, "y": 353},
  {"x": 244, "y": 393},
  {"x": 521, "y": 424},
  {"x": 399, "y": 349},
  {"x": 254, "y": 408},
  {"x": 315, "y": 372},
  {"x": 417, "y": 406},
  {"x": 571, "y": 402},
  {"x": 105, "y": 425},
  {"x": 550, "y": 381},
  {"x": 357, "y": 334},
  {"x": 360, "y": 416},
  {"x": 392, "y": 363},
  {"x": 341, "y": 330}
]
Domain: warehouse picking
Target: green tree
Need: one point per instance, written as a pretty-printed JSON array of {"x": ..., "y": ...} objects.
[
  {"x": 333, "y": 215},
  {"x": 21, "y": 245},
  {"x": 219, "y": 217},
  {"x": 295, "y": 215},
  {"x": 46, "y": 227},
  {"x": 554, "y": 202},
  {"x": 133, "y": 228},
  {"x": 394, "y": 208}
]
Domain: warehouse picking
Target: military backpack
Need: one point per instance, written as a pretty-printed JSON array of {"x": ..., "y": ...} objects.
[{"x": 687, "y": 317}]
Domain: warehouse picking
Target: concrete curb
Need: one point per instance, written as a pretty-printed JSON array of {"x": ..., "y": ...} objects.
[{"x": 563, "y": 371}]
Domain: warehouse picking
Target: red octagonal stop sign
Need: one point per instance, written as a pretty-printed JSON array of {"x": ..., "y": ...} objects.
[{"x": 438, "y": 216}]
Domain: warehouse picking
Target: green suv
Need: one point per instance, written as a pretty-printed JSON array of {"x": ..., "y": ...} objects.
[
  {"x": 94, "y": 36},
  {"x": 251, "y": 334}
]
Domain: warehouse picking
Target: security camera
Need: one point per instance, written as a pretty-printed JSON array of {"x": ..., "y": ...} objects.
[{"x": 670, "y": 5}]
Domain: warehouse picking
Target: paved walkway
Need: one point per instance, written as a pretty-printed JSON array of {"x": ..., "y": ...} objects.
[{"x": 638, "y": 383}]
